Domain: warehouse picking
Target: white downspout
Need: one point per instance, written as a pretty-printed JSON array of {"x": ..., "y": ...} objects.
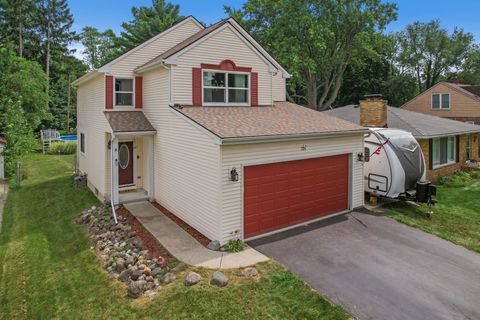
[{"x": 111, "y": 179}]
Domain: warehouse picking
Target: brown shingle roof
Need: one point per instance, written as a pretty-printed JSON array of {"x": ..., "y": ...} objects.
[
  {"x": 185, "y": 43},
  {"x": 128, "y": 121},
  {"x": 283, "y": 118}
]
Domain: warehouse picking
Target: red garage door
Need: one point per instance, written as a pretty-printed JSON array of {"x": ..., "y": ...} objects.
[{"x": 279, "y": 195}]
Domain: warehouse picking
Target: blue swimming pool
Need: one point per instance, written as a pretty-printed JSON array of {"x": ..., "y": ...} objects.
[{"x": 68, "y": 138}]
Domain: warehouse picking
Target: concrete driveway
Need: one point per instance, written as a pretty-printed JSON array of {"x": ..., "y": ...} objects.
[{"x": 377, "y": 268}]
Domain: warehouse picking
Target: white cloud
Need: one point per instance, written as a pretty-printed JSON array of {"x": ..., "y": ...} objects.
[{"x": 78, "y": 47}]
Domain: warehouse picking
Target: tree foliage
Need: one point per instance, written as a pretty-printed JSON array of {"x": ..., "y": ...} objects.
[
  {"x": 23, "y": 82},
  {"x": 316, "y": 40},
  {"x": 430, "y": 53},
  {"x": 98, "y": 46},
  {"x": 147, "y": 22}
]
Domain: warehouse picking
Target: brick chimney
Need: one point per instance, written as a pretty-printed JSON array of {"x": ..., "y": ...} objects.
[{"x": 373, "y": 111}]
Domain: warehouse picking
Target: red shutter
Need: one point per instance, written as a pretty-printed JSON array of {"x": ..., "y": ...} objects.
[
  {"x": 138, "y": 92},
  {"x": 108, "y": 92},
  {"x": 254, "y": 89},
  {"x": 197, "y": 86}
]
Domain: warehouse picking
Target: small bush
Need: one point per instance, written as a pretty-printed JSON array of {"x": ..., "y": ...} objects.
[
  {"x": 475, "y": 174},
  {"x": 234, "y": 246},
  {"x": 459, "y": 179},
  {"x": 69, "y": 147}
]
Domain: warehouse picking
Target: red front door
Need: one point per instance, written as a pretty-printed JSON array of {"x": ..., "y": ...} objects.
[
  {"x": 125, "y": 163},
  {"x": 279, "y": 195}
]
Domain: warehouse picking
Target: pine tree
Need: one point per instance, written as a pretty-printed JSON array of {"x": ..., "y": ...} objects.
[{"x": 147, "y": 22}]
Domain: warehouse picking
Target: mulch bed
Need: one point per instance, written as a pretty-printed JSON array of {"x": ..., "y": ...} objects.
[
  {"x": 148, "y": 240},
  {"x": 185, "y": 226}
]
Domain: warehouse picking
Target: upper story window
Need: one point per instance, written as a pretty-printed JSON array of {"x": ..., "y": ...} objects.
[
  {"x": 124, "y": 92},
  {"x": 225, "y": 88},
  {"x": 441, "y": 101}
]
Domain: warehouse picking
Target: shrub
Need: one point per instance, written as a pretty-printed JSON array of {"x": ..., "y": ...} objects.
[
  {"x": 69, "y": 147},
  {"x": 475, "y": 174},
  {"x": 234, "y": 246},
  {"x": 459, "y": 179}
]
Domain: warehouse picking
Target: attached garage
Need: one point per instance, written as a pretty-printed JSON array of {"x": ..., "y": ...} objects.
[
  {"x": 279, "y": 195},
  {"x": 280, "y": 166}
]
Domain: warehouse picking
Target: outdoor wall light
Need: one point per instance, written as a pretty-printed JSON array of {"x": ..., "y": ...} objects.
[
  {"x": 233, "y": 174},
  {"x": 109, "y": 144},
  {"x": 360, "y": 156}
]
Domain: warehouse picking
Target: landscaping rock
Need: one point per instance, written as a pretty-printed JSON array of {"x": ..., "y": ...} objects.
[
  {"x": 120, "y": 265},
  {"x": 192, "y": 278},
  {"x": 214, "y": 245},
  {"x": 150, "y": 293},
  {"x": 136, "y": 288},
  {"x": 169, "y": 277},
  {"x": 136, "y": 274},
  {"x": 155, "y": 272},
  {"x": 249, "y": 272},
  {"x": 219, "y": 279},
  {"x": 147, "y": 271},
  {"x": 125, "y": 275}
]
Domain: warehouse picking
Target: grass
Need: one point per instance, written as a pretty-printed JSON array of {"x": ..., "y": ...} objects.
[
  {"x": 456, "y": 216},
  {"x": 48, "y": 270}
]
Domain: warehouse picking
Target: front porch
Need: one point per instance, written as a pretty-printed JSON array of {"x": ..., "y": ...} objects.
[{"x": 130, "y": 157}]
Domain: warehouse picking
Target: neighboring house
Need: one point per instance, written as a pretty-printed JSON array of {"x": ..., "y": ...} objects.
[
  {"x": 196, "y": 119},
  {"x": 446, "y": 144},
  {"x": 2, "y": 161},
  {"x": 449, "y": 100}
]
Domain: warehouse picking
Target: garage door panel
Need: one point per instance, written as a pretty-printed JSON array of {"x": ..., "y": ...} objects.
[{"x": 278, "y": 195}]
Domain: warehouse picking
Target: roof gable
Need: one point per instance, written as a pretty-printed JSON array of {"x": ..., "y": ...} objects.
[
  {"x": 170, "y": 56},
  {"x": 106, "y": 67},
  {"x": 452, "y": 86}
]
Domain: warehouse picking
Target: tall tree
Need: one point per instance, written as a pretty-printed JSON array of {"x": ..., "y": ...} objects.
[
  {"x": 147, "y": 22},
  {"x": 98, "y": 46},
  {"x": 317, "y": 40},
  {"x": 430, "y": 53},
  {"x": 55, "y": 23},
  {"x": 17, "y": 25}
]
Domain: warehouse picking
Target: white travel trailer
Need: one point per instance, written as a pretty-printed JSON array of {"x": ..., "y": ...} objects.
[{"x": 393, "y": 162}]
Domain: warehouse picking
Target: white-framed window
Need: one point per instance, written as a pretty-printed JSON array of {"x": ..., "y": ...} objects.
[
  {"x": 440, "y": 101},
  {"x": 225, "y": 88},
  {"x": 124, "y": 90},
  {"x": 82, "y": 143},
  {"x": 443, "y": 151}
]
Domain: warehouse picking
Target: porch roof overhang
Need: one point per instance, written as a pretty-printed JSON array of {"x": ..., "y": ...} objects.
[{"x": 129, "y": 123}]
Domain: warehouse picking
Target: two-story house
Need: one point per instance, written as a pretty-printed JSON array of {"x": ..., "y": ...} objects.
[{"x": 196, "y": 119}]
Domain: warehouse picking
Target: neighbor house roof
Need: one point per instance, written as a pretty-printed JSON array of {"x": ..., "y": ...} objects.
[
  {"x": 419, "y": 124},
  {"x": 282, "y": 120},
  {"x": 128, "y": 121}
]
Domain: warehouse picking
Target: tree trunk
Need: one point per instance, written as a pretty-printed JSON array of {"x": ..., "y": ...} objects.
[
  {"x": 20, "y": 35},
  {"x": 311, "y": 88},
  {"x": 68, "y": 106},
  {"x": 47, "y": 64}
]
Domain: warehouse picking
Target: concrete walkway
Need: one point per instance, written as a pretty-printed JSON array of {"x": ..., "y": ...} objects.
[{"x": 183, "y": 246}]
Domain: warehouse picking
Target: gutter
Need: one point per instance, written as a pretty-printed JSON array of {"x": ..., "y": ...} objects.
[
  {"x": 446, "y": 135},
  {"x": 112, "y": 187},
  {"x": 290, "y": 137}
]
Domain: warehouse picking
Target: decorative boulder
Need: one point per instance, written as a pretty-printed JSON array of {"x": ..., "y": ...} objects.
[
  {"x": 169, "y": 277},
  {"x": 249, "y": 272},
  {"x": 219, "y": 279},
  {"x": 214, "y": 245},
  {"x": 192, "y": 278},
  {"x": 125, "y": 275},
  {"x": 136, "y": 288},
  {"x": 136, "y": 274}
]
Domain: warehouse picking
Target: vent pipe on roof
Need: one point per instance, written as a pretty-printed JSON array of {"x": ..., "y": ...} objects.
[{"x": 373, "y": 111}]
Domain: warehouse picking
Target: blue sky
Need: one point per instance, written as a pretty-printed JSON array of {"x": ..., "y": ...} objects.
[{"x": 105, "y": 14}]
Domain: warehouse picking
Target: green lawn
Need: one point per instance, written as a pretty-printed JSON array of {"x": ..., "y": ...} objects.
[
  {"x": 456, "y": 216},
  {"x": 48, "y": 270}
]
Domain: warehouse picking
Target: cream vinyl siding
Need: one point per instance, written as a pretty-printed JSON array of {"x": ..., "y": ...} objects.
[
  {"x": 279, "y": 88},
  {"x": 241, "y": 155},
  {"x": 92, "y": 122},
  {"x": 220, "y": 46},
  {"x": 186, "y": 161},
  {"x": 125, "y": 66}
]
